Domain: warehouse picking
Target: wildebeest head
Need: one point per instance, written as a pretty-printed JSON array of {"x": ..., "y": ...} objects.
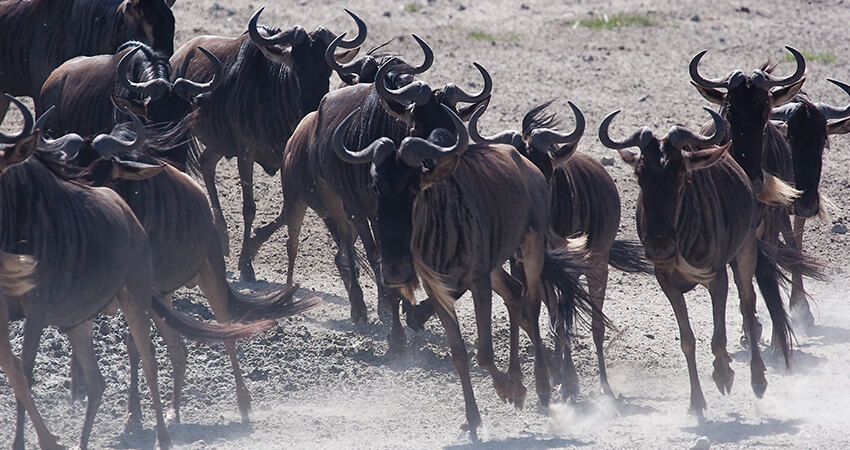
[
  {"x": 538, "y": 141},
  {"x": 807, "y": 126},
  {"x": 399, "y": 175},
  {"x": 150, "y": 21},
  {"x": 421, "y": 106},
  {"x": 161, "y": 100},
  {"x": 747, "y": 103},
  {"x": 662, "y": 167},
  {"x": 304, "y": 53}
]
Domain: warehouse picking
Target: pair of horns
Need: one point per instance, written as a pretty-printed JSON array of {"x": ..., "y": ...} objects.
[
  {"x": 679, "y": 136},
  {"x": 540, "y": 138},
  {"x": 735, "y": 78},
  {"x": 158, "y": 87},
  {"x": 295, "y": 35},
  {"x": 419, "y": 92}
]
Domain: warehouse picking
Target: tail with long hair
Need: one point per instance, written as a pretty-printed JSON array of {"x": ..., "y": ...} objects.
[
  {"x": 561, "y": 269},
  {"x": 270, "y": 303},
  {"x": 794, "y": 260},
  {"x": 628, "y": 256},
  {"x": 768, "y": 278},
  {"x": 195, "y": 329}
]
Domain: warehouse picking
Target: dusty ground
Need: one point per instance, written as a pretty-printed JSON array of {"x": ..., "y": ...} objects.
[{"x": 319, "y": 381}]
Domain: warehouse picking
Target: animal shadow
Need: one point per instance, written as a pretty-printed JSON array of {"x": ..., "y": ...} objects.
[{"x": 735, "y": 430}]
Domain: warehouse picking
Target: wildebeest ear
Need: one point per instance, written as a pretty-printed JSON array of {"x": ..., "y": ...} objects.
[
  {"x": 839, "y": 127},
  {"x": 700, "y": 159},
  {"x": 466, "y": 112},
  {"x": 136, "y": 107},
  {"x": 786, "y": 93},
  {"x": 630, "y": 155},
  {"x": 132, "y": 170},
  {"x": 713, "y": 95},
  {"x": 564, "y": 153},
  {"x": 22, "y": 149},
  {"x": 439, "y": 172},
  {"x": 346, "y": 55}
]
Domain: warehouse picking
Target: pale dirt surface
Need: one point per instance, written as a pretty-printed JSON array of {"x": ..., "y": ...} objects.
[{"x": 320, "y": 382}]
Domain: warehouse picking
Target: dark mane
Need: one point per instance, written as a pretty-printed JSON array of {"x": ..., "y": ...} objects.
[{"x": 539, "y": 117}]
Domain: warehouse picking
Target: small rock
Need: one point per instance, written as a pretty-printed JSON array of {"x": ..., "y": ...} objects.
[
  {"x": 642, "y": 99},
  {"x": 839, "y": 228},
  {"x": 701, "y": 444},
  {"x": 607, "y": 161},
  {"x": 524, "y": 6},
  {"x": 743, "y": 9},
  {"x": 387, "y": 14},
  {"x": 650, "y": 336},
  {"x": 695, "y": 18},
  {"x": 461, "y": 8}
]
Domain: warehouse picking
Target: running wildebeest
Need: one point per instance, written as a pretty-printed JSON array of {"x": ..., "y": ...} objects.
[
  {"x": 84, "y": 89},
  {"x": 39, "y": 35},
  {"x": 585, "y": 201},
  {"x": 759, "y": 147},
  {"x": 807, "y": 128},
  {"x": 272, "y": 79},
  {"x": 90, "y": 249},
  {"x": 696, "y": 213},
  {"x": 441, "y": 219},
  {"x": 341, "y": 192}
]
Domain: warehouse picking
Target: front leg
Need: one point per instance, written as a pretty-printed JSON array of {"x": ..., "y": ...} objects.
[
  {"x": 245, "y": 164},
  {"x": 723, "y": 374},
  {"x": 33, "y": 327},
  {"x": 208, "y": 162}
]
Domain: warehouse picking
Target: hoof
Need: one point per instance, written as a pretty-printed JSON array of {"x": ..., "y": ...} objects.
[
  {"x": 723, "y": 376},
  {"x": 132, "y": 424},
  {"x": 802, "y": 316},
  {"x": 397, "y": 345},
  {"x": 163, "y": 442},
  {"x": 698, "y": 412},
  {"x": 385, "y": 311},
  {"x": 759, "y": 389},
  {"x": 172, "y": 417},
  {"x": 473, "y": 432},
  {"x": 545, "y": 398},
  {"x": 246, "y": 274}
]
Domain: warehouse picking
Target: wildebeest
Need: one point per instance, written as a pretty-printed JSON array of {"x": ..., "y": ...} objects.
[
  {"x": 584, "y": 201},
  {"x": 39, "y": 35},
  {"x": 807, "y": 127},
  {"x": 696, "y": 213},
  {"x": 442, "y": 218},
  {"x": 271, "y": 80},
  {"x": 341, "y": 192},
  {"x": 185, "y": 250},
  {"x": 90, "y": 249},
  {"x": 83, "y": 90}
]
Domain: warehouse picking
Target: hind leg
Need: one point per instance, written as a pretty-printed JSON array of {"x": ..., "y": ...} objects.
[
  {"x": 597, "y": 283},
  {"x": 215, "y": 288},
  {"x": 295, "y": 211},
  {"x": 139, "y": 324},
  {"x": 723, "y": 375},
  {"x": 743, "y": 269},
  {"x": 533, "y": 253},
  {"x": 80, "y": 338},
  {"x": 33, "y": 327},
  {"x": 511, "y": 292},
  {"x": 208, "y": 162},
  {"x": 800, "y": 310},
  {"x": 263, "y": 233},
  {"x": 178, "y": 354},
  {"x": 14, "y": 370},
  {"x": 245, "y": 165}
]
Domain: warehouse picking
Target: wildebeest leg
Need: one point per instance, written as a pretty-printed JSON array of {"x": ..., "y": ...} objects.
[
  {"x": 343, "y": 235},
  {"x": 133, "y": 416},
  {"x": 80, "y": 338},
  {"x": 212, "y": 282},
  {"x": 245, "y": 164},
  {"x": 137, "y": 321},
  {"x": 511, "y": 292},
  {"x": 33, "y": 327},
  {"x": 743, "y": 269},
  {"x": 482, "y": 296},
  {"x": 14, "y": 370},
  {"x": 294, "y": 216},
  {"x": 533, "y": 252},
  {"x": 370, "y": 246},
  {"x": 263, "y": 233},
  {"x": 208, "y": 162},
  {"x": 800, "y": 310},
  {"x": 78, "y": 386},
  {"x": 686, "y": 337},
  {"x": 597, "y": 283},
  {"x": 392, "y": 296},
  {"x": 723, "y": 374},
  {"x": 461, "y": 362},
  {"x": 178, "y": 354}
]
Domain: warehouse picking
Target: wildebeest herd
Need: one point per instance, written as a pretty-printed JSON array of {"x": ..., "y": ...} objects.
[{"x": 100, "y": 210}]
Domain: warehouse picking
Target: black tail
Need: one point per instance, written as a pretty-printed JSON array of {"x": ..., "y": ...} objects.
[
  {"x": 628, "y": 256},
  {"x": 796, "y": 260},
  {"x": 561, "y": 269},
  {"x": 270, "y": 303},
  {"x": 768, "y": 278},
  {"x": 195, "y": 329}
]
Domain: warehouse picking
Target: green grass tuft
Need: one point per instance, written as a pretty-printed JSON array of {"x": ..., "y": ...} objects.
[
  {"x": 824, "y": 57},
  {"x": 619, "y": 20},
  {"x": 478, "y": 35},
  {"x": 412, "y": 7}
]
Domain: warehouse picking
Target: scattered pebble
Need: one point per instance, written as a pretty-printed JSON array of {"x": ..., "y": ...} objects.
[
  {"x": 839, "y": 228},
  {"x": 701, "y": 444},
  {"x": 695, "y": 18},
  {"x": 607, "y": 161}
]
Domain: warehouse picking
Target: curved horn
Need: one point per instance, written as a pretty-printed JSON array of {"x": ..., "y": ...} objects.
[
  {"x": 429, "y": 57},
  {"x": 543, "y": 138},
  {"x": 154, "y": 89},
  {"x": 638, "y": 139},
  {"x": 506, "y": 137},
  {"x": 348, "y": 73},
  {"x": 414, "y": 150},
  {"x": 784, "y": 112},
  {"x": 417, "y": 92},
  {"x": 730, "y": 80},
  {"x": 28, "y": 123},
  {"x": 187, "y": 89},
  {"x": 358, "y": 40},
  {"x": 70, "y": 144},
  {"x": 106, "y": 144},
  {"x": 382, "y": 145},
  {"x": 682, "y": 137},
  {"x": 454, "y": 94},
  {"x": 768, "y": 81},
  {"x": 290, "y": 37},
  {"x": 832, "y": 112}
]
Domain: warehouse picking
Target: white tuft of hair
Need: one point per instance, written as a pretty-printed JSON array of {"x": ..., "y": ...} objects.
[
  {"x": 16, "y": 273},
  {"x": 825, "y": 206},
  {"x": 777, "y": 192},
  {"x": 435, "y": 284}
]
